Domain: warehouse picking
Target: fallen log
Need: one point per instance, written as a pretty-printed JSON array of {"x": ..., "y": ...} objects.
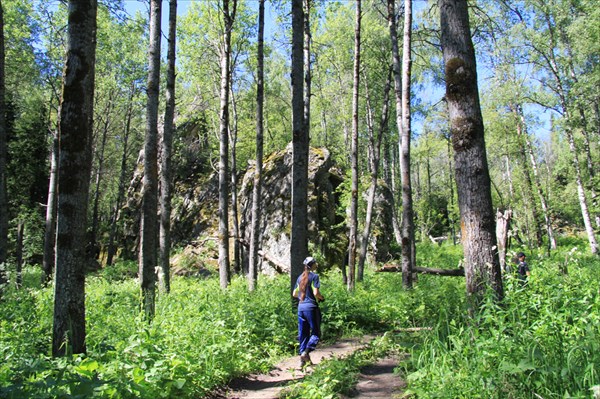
[
  {"x": 426, "y": 270},
  {"x": 413, "y": 329}
]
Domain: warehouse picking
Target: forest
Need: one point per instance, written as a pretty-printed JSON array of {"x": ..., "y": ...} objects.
[{"x": 166, "y": 167}]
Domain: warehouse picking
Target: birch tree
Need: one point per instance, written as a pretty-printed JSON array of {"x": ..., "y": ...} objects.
[
  {"x": 408, "y": 228},
  {"x": 353, "y": 218},
  {"x": 149, "y": 221},
  {"x": 166, "y": 180},
  {"x": 224, "y": 262},
  {"x": 401, "y": 73},
  {"x": 257, "y": 187}
]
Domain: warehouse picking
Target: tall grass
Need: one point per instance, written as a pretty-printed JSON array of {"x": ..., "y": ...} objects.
[
  {"x": 200, "y": 339},
  {"x": 543, "y": 341}
]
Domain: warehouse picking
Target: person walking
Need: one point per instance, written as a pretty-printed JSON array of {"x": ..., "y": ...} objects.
[
  {"x": 522, "y": 267},
  {"x": 309, "y": 315}
]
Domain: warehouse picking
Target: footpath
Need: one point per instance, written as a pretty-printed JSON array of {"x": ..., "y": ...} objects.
[{"x": 375, "y": 381}]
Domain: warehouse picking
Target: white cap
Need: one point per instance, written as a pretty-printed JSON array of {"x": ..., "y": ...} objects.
[{"x": 309, "y": 261}]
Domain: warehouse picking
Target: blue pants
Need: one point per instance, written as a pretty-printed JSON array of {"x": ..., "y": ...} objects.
[{"x": 309, "y": 329}]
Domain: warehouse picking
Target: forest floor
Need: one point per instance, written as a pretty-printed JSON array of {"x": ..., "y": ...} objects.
[{"x": 375, "y": 381}]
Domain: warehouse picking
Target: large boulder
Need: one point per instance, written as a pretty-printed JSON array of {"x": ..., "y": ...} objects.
[
  {"x": 382, "y": 231},
  {"x": 326, "y": 230},
  {"x": 194, "y": 218}
]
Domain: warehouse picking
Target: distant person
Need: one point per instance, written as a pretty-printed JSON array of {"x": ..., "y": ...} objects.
[
  {"x": 522, "y": 268},
  {"x": 309, "y": 316}
]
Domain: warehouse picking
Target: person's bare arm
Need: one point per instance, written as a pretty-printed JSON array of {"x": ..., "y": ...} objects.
[{"x": 318, "y": 295}]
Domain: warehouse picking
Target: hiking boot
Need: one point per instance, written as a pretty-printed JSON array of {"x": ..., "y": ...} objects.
[{"x": 305, "y": 360}]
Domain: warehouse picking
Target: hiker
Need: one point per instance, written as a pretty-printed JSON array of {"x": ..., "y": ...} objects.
[
  {"x": 309, "y": 314},
  {"x": 522, "y": 268}
]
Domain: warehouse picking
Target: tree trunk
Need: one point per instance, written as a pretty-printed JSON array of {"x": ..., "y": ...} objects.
[
  {"x": 388, "y": 174},
  {"x": 307, "y": 67},
  {"x": 529, "y": 196},
  {"x": 110, "y": 252},
  {"x": 563, "y": 94},
  {"x": 19, "y": 254},
  {"x": 582, "y": 196},
  {"x": 452, "y": 220},
  {"x": 166, "y": 179},
  {"x": 237, "y": 263},
  {"x": 408, "y": 228},
  {"x": 373, "y": 161},
  {"x": 537, "y": 183},
  {"x": 149, "y": 224},
  {"x": 502, "y": 226},
  {"x": 257, "y": 188},
  {"x": 482, "y": 268},
  {"x": 374, "y": 158},
  {"x": 3, "y": 160},
  {"x": 50, "y": 231},
  {"x": 402, "y": 91},
  {"x": 75, "y": 124},
  {"x": 584, "y": 126},
  {"x": 299, "y": 232},
  {"x": 353, "y": 221},
  {"x": 224, "y": 177},
  {"x": 92, "y": 242}
]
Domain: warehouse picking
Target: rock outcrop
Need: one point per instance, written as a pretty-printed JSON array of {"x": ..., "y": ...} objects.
[
  {"x": 326, "y": 229},
  {"x": 194, "y": 218}
]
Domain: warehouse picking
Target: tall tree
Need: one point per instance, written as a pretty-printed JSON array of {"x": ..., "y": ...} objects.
[
  {"x": 110, "y": 252},
  {"x": 353, "y": 218},
  {"x": 224, "y": 177},
  {"x": 374, "y": 149},
  {"x": 3, "y": 175},
  {"x": 105, "y": 119},
  {"x": 233, "y": 139},
  {"x": 165, "y": 159},
  {"x": 299, "y": 232},
  {"x": 75, "y": 143},
  {"x": 402, "y": 95},
  {"x": 408, "y": 229},
  {"x": 257, "y": 187},
  {"x": 546, "y": 43},
  {"x": 482, "y": 267},
  {"x": 522, "y": 131},
  {"x": 149, "y": 221},
  {"x": 307, "y": 67}
]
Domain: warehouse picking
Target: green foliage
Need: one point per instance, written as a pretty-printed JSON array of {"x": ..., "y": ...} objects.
[
  {"x": 200, "y": 338},
  {"x": 542, "y": 341}
]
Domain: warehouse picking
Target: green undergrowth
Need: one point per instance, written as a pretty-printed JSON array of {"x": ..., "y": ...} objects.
[
  {"x": 542, "y": 341},
  {"x": 200, "y": 338}
]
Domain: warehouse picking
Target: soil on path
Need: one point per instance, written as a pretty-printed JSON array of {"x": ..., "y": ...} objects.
[
  {"x": 375, "y": 381},
  {"x": 378, "y": 381}
]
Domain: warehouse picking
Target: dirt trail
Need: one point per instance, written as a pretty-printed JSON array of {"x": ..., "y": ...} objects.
[
  {"x": 376, "y": 381},
  {"x": 268, "y": 386}
]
